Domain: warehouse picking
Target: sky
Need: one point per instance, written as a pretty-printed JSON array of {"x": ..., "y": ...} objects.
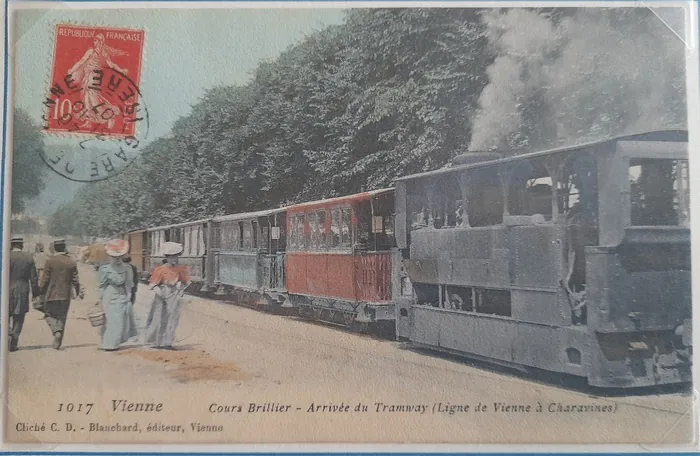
[{"x": 185, "y": 53}]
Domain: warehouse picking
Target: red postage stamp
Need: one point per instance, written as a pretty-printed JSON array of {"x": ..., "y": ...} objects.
[{"x": 95, "y": 77}]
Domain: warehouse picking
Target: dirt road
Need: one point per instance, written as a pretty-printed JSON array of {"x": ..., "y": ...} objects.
[{"x": 239, "y": 375}]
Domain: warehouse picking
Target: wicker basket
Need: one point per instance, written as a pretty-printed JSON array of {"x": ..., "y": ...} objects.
[{"x": 96, "y": 315}]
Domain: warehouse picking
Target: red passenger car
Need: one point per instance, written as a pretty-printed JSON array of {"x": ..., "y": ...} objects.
[{"x": 339, "y": 258}]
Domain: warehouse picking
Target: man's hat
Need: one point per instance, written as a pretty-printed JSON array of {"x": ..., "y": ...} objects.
[{"x": 17, "y": 239}]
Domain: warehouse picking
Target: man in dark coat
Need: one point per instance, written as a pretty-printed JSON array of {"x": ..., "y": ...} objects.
[
  {"x": 127, "y": 259},
  {"x": 60, "y": 276},
  {"x": 23, "y": 278}
]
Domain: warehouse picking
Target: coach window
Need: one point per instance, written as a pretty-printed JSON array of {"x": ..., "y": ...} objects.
[
  {"x": 239, "y": 245},
  {"x": 224, "y": 235},
  {"x": 322, "y": 234},
  {"x": 197, "y": 237},
  {"x": 215, "y": 241},
  {"x": 303, "y": 237},
  {"x": 235, "y": 230},
  {"x": 305, "y": 231},
  {"x": 659, "y": 192},
  {"x": 293, "y": 229},
  {"x": 191, "y": 246},
  {"x": 297, "y": 226},
  {"x": 254, "y": 231},
  {"x": 315, "y": 242},
  {"x": 335, "y": 228},
  {"x": 229, "y": 235},
  {"x": 346, "y": 240},
  {"x": 177, "y": 235},
  {"x": 291, "y": 241},
  {"x": 247, "y": 236},
  {"x": 264, "y": 241},
  {"x": 297, "y": 235}
]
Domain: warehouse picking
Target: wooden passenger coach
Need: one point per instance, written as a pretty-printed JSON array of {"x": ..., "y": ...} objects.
[
  {"x": 192, "y": 236},
  {"x": 248, "y": 257},
  {"x": 574, "y": 260},
  {"x": 339, "y": 258}
]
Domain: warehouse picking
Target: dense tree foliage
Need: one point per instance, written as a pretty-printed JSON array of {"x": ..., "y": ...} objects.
[
  {"x": 27, "y": 167},
  {"x": 388, "y": 93}
]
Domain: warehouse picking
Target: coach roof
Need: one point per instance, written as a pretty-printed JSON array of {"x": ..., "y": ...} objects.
[
  {"x": 179, "y": 225},
  {"x": 660, "y": 135},
  {"x": 248, "y": 215},
  {"x": 340, "y": 199}
]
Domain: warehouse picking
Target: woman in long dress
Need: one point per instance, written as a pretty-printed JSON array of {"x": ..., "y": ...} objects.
[
  {"x": 116, "y": 282},
  {"x": 169, "y": 282}
]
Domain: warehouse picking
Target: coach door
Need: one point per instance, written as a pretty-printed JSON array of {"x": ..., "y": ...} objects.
[{"x": 136, "y": 241}]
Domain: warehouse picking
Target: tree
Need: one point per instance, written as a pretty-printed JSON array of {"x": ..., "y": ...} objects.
[{"x": 28, "y": 168}]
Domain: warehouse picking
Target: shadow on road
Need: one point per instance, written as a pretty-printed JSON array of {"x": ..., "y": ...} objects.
[{"x": 64, "y": 347}]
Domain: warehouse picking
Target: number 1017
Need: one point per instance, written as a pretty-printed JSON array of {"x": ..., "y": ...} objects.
[{"x": 72, "y": 407}]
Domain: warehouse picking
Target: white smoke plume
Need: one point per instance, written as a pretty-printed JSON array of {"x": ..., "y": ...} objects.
[{"x": 592, "y": 74}]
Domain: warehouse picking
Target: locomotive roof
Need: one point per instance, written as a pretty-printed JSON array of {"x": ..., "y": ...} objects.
[
  {"x": 248, "y": 215},
  {"x": 177, "y": 225},
  {"x": 659, "y": 135},
  {"x": 339, "y": 199}
]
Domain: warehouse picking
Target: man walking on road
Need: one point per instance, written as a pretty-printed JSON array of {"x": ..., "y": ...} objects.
[
  {"x": 22, "y": 278},
  {"x": 60, "y": 274}
]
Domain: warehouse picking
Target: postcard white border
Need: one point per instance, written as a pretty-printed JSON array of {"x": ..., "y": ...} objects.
[{"x": 693, "y": 121}]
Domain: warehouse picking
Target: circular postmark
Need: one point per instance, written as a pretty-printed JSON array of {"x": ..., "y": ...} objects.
[
  {"x": 94, "y": 114},
  {"x": 104, "y": 121}
]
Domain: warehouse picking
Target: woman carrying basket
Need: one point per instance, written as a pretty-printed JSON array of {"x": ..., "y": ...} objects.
[
  {"x": 169, "y": 282},
  {"x": 116, "y": 282}
]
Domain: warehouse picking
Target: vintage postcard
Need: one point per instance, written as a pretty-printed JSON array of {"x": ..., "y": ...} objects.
[{"x": 323, "y": 223}]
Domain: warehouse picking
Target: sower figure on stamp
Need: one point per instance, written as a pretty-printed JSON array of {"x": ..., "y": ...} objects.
[
  {"x": 22, "y": 278},
  {"x": 94, "y": 60},
  {"x": 169, "y": 282},
  {"x": 60, "y": 278}
]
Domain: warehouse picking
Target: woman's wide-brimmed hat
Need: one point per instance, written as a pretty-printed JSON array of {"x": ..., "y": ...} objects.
[
  {"x": 172, "y": 248},
  {"x": 117, "y": 247}
]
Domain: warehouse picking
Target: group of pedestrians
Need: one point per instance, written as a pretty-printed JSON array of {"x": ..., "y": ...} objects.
[
  {"x": 52, "y": 281},
  {"x": 51, "y": 286}
]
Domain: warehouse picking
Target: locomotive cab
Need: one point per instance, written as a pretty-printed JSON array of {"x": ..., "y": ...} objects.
[
  {"x": 639, "y": 291},
  {"x": 572, "y": 260}
]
